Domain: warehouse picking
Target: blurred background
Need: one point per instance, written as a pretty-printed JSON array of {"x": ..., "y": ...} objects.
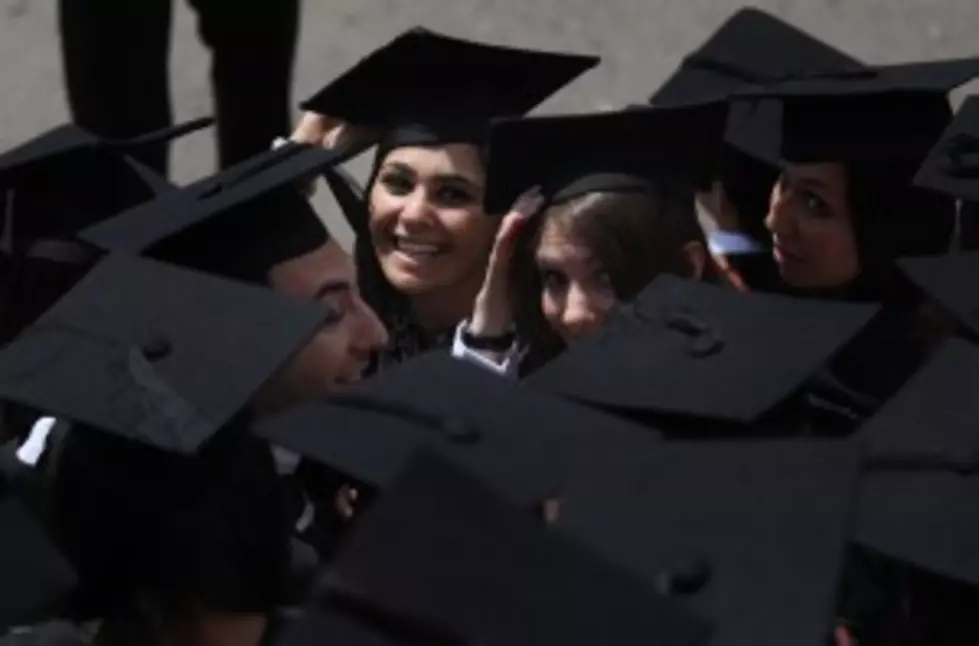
[{"x": 640, "y": 42}]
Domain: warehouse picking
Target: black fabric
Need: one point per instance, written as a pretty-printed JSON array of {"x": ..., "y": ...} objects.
[
  {"x": 442, "y": 552},
  {"x": 116, "y": 55},
  {"x": 426, "y": 88},
  {"x": 238, "y": 223},
  {"x": 616, "y": 151},
  {"x": 489, "y": 425},
  {"x": 143, "y": 526},
  {"x": 124, "y": 350},
  {"x": 680, "y": 338},
  {"x": 35, "y": 574}
]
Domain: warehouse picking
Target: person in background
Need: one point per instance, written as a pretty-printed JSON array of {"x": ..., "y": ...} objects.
[{"x": 115, "y": 55}]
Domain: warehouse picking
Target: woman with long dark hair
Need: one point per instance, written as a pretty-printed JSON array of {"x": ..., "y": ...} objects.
[{"x": 423, "y": 236}]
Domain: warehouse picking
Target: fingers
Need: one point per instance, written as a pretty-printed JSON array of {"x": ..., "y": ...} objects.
[
  {"x": 346, "y": 502},
  {"x": 523, "y": 209},
  {"x": 529, "y": 203},
  {"x": 312, "y": 128}
]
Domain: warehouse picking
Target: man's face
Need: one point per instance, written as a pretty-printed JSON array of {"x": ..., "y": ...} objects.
[{"x": 341, "y": 350}]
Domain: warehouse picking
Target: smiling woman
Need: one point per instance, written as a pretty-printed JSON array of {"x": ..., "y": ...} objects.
[
  {"x": 430, "y": 234},
  {"x": 423, "y": 236}
]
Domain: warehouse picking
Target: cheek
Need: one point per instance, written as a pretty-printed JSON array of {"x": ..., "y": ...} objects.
[
  {"x": 832, "y": 240},
  {"x": 321, "y": 360},
  {"x": 383, "y": 210},
  {"x": 468, "y": 229},
  {"x": 601, "y": 301},
  {"x": 551, "y": 306}
]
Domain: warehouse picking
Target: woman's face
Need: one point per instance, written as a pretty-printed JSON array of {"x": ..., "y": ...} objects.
[
  {"x": 576, "y": 292},
  {"x": 426, "y": 218},
  {"x": 812, "y": 232}
]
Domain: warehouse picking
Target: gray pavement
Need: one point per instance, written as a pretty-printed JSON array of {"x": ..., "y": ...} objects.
[{"x": 640, "y": 42}]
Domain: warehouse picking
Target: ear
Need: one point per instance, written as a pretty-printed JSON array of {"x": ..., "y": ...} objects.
[{"x": 696, "y": 257}]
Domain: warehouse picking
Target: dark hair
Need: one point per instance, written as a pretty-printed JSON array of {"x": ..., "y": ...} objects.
[
  {"x": 893, "y": 218},
  {"x": 748, "y": 183},
  {"x": 172, "y": 533},
  {"x": 634, "y": 237}
]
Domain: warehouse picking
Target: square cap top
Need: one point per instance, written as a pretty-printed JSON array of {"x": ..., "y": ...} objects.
[
  {"x": 948, "y": 280},
  {"x": 325, "y": 625},
  {"x": 925, "y": 518},
  {"x": 917, "y": 503},
  {"x": 752, "y": 534},
  {"x": 933, "y": 419},
  {"x": 952, "y": 165},
  {"x": 613, "y": 151},
  {"x": 525, "y": 444},
  {"x": 238, "y": 223},
  {"x": 751, "y": 47},
  {"x": 444, "y": 554},
  {"x": 425, "y": 87},
  {"x": 35, "y": 574},
  {"x": 888, "y": 113},
  {"x": 681, "y": 339},
  {"x": 67, "y": 178},
  {"x": 154, "y": 353}
]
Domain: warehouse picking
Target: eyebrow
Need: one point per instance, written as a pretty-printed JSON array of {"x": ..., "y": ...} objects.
[
  {"x": 455, "y": 178},
  {"x": 814, "y": 183},
  {"x": 331, "y": 287}
]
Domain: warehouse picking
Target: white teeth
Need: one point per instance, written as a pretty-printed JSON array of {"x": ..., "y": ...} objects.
[{"x": 417, "y": 247}]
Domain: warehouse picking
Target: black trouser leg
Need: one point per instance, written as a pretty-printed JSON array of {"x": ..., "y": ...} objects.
[
  {"x": 115, "y": 55},
  {"x": 253, "y": 47}
]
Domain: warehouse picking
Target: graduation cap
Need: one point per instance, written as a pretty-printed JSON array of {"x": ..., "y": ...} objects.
[
  {"x": 67, "y": 179},
  {"x": 917, "y": 503},
  {"x": 35, "y": 574},
  {"x": 154, "y": 353},
  {"x": 751, "y": 534},
  {"x": 752, "y": 47},
  {"x": 523, "y": 443},
  {"x": 425, "y": 88},
  {"x": 891, "y": 114},
  {"x": 681, "y": 339},
  {"x": 614, "y": 151},
  {"x": 238, "y": 223},
  {"x": 325, "y": 625},
  {"x": 442, "y": 555},
  {"x": 952, "y": 166},
  {"x": 948, "y": 280}
]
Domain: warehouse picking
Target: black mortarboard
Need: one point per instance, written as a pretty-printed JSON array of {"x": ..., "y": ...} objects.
[
  {"x": 490, "y": 425},
  {"x": 238, "y": 223},
  {"x": 67, "y": 179},
  {"x": 952, "y": 166},
  {"x": 613, "y": 151},
  {"x": 425, "y": 88},
  {"x": 325, "y": 625},
  {"x": 751, "y": 47},
  {"x": 891, "y": 114},
  {"x": 444, "y": 555},
  {"x": 695, "y": 350},
  {"x": 949, "y": 280},
  {"x": 753, "y": 534},
  {"x": 918, "y": 501},
  {"x": 155, "y": 353},
  {"x": 34, "y": 574}
]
